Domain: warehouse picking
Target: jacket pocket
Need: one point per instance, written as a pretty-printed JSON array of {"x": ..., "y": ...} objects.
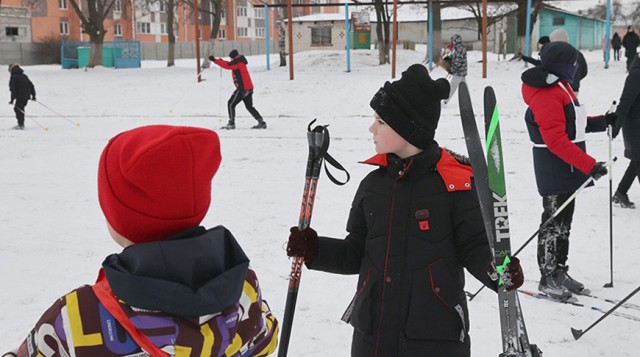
[
  {"x": 435, "y": 312},
  {"x": 363, "y": 309}
]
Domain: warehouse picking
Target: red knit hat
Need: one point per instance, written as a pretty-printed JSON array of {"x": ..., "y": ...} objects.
[{"x": 155, "y": 181}]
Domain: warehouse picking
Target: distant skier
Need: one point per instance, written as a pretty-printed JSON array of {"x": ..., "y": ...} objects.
[
  {"x": 630, "y": 42},
  {"x": 458, "y": 68},
  {"x": 415, "y": 224},
  {"x": 616, "y": 44},
  {"x": 22, "y": 89},
  {"x": 244, "y": 89},
  {"x": 557, "y": 123},
  {"x": 629, "y": 121},
  {"x": 177, "y": 288}
]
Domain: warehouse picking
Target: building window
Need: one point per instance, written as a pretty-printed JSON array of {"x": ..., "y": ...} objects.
[
  {"x": 117, "y": 30},
  {"x": 144, "y": 27},
  {"x": 258, "y": 13},
  {"x": 243, "y": 32},
  {"x": 200, "y": 34},
  {"x": 321, "y": 36},
  {"x": 222, "y": 34},
  {"x": 64, "y": 28},
  {"x": 62, "y": 4},
  {"x": 163, "y": 29},
  {"x": 117, "y": 6},
  {"x": 260, "y": 32},
  {"x": 11, "y": 31},
  {"x": 163, "y": 6},
  {"x": 242, "y": 11},
  {"x": 222, "y": 14},
  {"x": 558, "y": 21}
]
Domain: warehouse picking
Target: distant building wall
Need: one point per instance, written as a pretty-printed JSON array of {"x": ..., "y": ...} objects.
[{"x": 16, "y": 24}]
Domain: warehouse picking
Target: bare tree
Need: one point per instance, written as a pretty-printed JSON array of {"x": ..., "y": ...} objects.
[
  {"x": 93, "y": 25},
  {"x": 282, "y": 33},
  {"x": 522, "y": 22},
  {"x": 214, "y": 9},
  {"x": 382, "y": 30},
  {"x": 495, "y": 13}
]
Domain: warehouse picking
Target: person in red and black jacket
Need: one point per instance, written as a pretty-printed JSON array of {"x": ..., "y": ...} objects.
[
  {"x": 557, "y": 124},
  {"x": 415, "y": 225},
  {"x": 244, "y": 89}
]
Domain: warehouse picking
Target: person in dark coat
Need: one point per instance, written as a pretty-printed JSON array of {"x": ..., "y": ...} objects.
[
  {"x": 415, "y": 223},
  {"x": 629, "y": 121},
  {"x": 22, "y": 89},
  {"x": 536, "y": 62},
  {"x": 177, "y": 288},
  {"x": 616, "y": 44},
  {"x": 244, "y": 89},
  {"x": 630, "y": 42},
  {"x": 557, "y": 124}
]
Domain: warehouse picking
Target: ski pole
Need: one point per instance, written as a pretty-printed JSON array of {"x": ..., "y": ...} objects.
[
  {"x": 546, "y": 223},
  {"x": 32, "y": 119},
  {"x": 318, "y": 139},
  {"x": 58, "y": 114},
  {"x": 610, "y": 136},
  {"x": 578, "y": 333},
  {"x": 314, "y": 163}
]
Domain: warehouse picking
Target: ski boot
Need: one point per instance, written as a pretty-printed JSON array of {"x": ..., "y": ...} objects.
[
  {"x": 623, "y": 200},
  {"x": 230, "y": 125},
  {"x": 18, "y": 127},
  {"x": 549, "y": 285},
  {"x": 261, "y": 125},
  {"x": 563, "y": 279}
]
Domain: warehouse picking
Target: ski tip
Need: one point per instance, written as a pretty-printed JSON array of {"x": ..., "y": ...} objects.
[{"x": 576, "y": 333}]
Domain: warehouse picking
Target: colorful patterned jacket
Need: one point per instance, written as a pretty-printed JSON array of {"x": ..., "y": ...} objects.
[{"x": 190, "y": 295}]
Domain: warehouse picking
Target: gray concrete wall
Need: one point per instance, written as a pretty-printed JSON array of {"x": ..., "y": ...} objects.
[
  {"x": 158, "y": 51},
  {"x": 19, "y": 52},
  {"x": 15, "y": 17},
  {"x": 26, "y": 53}
]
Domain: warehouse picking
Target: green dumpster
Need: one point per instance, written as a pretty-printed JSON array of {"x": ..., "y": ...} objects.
[{"x": 83, "y": 56}]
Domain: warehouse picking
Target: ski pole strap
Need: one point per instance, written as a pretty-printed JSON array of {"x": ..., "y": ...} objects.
[
  {"x": 103, "y": 292},
  {"x": 328, "y": 159}
]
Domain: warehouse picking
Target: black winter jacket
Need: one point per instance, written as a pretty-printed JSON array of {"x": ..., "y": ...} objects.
[
  {"x": 629, "y": 112},
  {"x": 21, "y": 87},
  {"x": 630, "y": 41},
  {"x": 414, "y": 225}
]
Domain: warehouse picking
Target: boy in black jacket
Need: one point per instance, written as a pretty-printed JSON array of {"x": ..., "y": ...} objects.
[
  {"x": 414, "y": 224},
  {"x": 21, "y": 90}
]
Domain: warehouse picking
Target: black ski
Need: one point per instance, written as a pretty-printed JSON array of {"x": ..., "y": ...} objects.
[{"x": 491, "y": 190}]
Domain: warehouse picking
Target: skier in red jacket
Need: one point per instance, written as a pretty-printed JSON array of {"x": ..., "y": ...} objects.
[{"x": 244, "y": 89}]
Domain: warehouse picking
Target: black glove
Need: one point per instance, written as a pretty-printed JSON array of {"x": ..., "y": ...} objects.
[
  {"x": 303, "y": 244},
  {"x": 34, "y": 99},
  {"x": 211, "y": 58},
  {"x": 615, "y": 131},
  {"x": 611, "y": 118},
  {"x": 599, "y": 170},
  {"x": 11, "y": 102},
  {"x": 512, "y": 275}
]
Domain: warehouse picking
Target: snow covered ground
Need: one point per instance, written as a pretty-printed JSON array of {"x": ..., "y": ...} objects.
[{"x": 53, "y": 236}]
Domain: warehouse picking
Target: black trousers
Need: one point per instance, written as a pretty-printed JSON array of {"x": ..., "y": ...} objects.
[
  {"x": 616, "y": 54},
  {"x": 633, "y": 171},
  {"x": 245, "y": 96},
  {"x": 19, "y": 110},
  {"x": 553, "y": 240}
]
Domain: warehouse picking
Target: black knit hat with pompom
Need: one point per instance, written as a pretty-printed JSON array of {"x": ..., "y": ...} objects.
[{"x": 411, "y": 105}]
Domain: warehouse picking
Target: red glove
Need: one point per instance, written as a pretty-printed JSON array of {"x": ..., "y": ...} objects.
[
  {"x": 303, "y": 244},
  {"x": 512, "y": 275}
]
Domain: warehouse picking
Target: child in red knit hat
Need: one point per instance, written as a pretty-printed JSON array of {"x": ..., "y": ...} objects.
[{"x": 177, "y": 289}]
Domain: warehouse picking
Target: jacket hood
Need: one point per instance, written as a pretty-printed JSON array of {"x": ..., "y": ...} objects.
[
  {"x": 195, "y": 273},
  {"x": 16, "y": 70},
  {"x": 456, "y": 40},
  {"x": 240, "y": 58},
  {"x": 539, "y": 77}
]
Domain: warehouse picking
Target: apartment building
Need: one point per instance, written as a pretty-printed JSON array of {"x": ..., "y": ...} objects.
[{"x": 39, "y": 20}]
